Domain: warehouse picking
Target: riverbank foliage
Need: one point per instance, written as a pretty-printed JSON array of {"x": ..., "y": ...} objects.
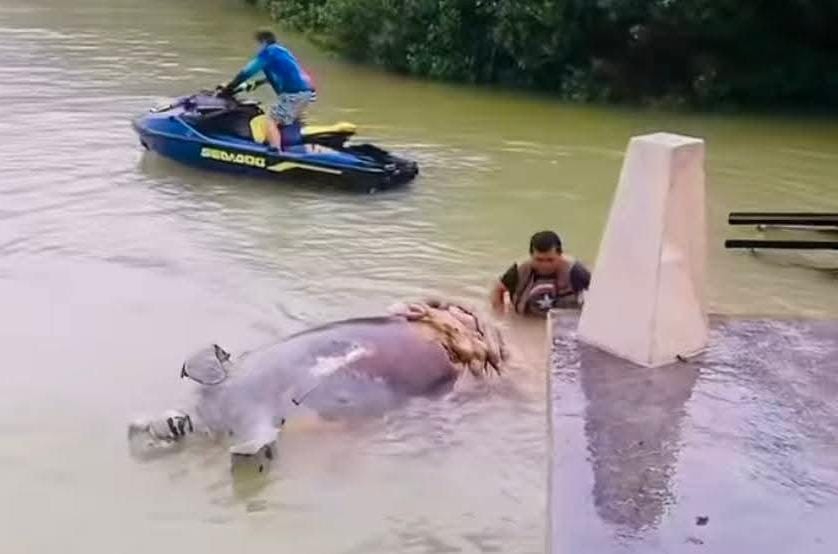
[{"x": 703, "y": 53}]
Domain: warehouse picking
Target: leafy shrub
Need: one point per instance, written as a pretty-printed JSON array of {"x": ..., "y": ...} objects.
[{"x": 700, "y": 52}]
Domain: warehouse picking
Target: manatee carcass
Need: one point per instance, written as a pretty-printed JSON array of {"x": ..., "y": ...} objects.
[{"x": 345, "y": 369}]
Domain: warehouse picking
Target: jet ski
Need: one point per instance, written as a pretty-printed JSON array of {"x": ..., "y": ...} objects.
[{"x": 223, "y": 132}]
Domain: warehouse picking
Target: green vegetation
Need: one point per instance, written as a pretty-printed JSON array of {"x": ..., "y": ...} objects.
[{"x": 701, "y": 53}]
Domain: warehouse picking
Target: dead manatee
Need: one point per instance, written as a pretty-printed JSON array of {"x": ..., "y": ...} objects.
[{"x": 351, "y": 368}]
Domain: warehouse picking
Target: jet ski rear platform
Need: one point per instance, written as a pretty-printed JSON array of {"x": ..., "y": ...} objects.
[{"x": 211, "y": 132}]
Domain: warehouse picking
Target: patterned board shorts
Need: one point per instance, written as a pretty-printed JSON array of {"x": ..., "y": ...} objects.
[{"x": 290, "y": 106}]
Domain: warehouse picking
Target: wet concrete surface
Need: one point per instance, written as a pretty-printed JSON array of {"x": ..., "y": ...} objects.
[{"x": 733, "y": 451}]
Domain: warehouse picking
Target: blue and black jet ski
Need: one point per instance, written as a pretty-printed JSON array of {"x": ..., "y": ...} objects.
[{"x": 224, "y": 133}]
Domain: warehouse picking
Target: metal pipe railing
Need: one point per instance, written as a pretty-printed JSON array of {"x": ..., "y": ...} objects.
[
  {"x": 800, "y": 219},
  {"x": 783, "y": 244}
]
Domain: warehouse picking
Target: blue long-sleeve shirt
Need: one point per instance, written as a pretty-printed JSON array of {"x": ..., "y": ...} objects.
[{"x": 281, "y": 69}]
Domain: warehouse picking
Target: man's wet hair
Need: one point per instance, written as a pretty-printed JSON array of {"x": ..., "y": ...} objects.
[
  {"x": 265, "y": 35},
  {"x": 545, "y": 241}
]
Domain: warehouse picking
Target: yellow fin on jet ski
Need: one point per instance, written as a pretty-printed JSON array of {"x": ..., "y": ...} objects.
[{"x": 341, "y": 128}]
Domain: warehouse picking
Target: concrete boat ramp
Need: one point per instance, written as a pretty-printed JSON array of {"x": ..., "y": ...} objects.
[
  {"x": 674, "y": 431},
  {"x": 732, "y": 451}
]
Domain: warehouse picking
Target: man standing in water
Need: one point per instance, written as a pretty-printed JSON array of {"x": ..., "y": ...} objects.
[
  {"x": 292, "y": 85},
  {"x": 549, "y": 279}
]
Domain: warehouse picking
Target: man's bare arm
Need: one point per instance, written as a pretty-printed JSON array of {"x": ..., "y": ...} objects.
[{"x": 498, "y": 296}]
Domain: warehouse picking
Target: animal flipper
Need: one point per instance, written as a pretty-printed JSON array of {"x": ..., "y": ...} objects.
[
  {"x": 208, "y": 366},
  {"x": 255, "y": 452},
  {"x": 254, "y": 439}
]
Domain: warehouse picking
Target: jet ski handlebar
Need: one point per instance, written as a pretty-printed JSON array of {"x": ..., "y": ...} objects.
[{"x": 246, "y": 86}]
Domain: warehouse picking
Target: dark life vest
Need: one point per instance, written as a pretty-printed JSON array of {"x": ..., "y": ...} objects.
[{"x": 537, "y": 294}]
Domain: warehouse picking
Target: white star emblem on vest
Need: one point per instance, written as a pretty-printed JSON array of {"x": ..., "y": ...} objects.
[{"x": 545, "y": 302}]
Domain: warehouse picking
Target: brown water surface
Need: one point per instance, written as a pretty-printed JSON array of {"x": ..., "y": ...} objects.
[{"x": 114, "y": 264}]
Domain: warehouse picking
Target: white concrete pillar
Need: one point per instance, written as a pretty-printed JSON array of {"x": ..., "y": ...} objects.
[{"x": 646, "y": 301}]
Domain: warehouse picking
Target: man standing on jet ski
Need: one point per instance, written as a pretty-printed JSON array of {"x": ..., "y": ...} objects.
[{"x": 293, "y": 86}]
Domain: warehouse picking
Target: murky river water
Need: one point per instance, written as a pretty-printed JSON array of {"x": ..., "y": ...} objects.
[{"x": 115, "y": 264}]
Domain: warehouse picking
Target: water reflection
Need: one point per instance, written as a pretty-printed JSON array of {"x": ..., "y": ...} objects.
[{"x": 632, "y": 421}]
